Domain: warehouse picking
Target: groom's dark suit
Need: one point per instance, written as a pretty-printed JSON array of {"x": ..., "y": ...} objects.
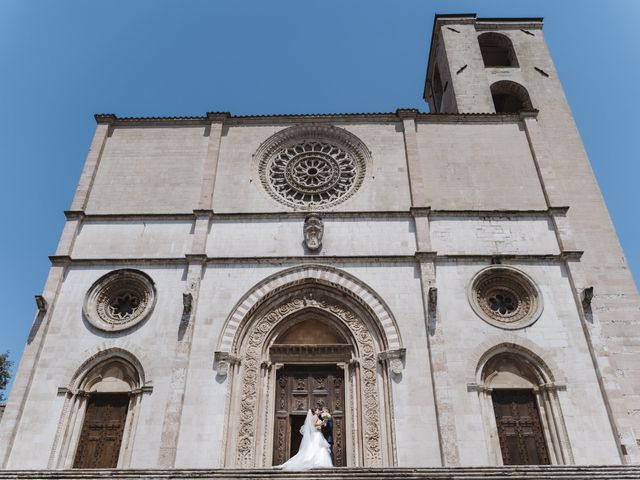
[{"x": 327, "y": 432}]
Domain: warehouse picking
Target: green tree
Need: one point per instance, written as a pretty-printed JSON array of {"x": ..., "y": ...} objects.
[{"x": 5, "y": 374}]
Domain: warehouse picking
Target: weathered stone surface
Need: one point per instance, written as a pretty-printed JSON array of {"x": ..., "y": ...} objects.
[{"x": 442, "y": 197}]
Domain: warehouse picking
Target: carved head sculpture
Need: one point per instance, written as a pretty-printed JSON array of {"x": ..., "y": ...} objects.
[{"x": 313, "y": 231}]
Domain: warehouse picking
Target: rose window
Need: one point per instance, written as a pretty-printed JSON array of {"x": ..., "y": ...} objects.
[
  {"x": 320, "y": 166},
  {"x": 124, "y": 306},
  {"x": 119, "y": 300},
  {"x": 505, "y": 297}
]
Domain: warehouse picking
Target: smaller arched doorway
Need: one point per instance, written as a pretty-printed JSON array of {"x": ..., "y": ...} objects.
[
  {"x": 107, "y": 390},
  {"x": 519, "y": 401},
  {"x": 101, "y": 408},
  {"x": 311, "y": 356}
]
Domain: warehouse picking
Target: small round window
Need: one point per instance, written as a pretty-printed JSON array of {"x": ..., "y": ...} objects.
[
  {"x": 505, "y": 297},
  {"x": 119, "y": 300}
]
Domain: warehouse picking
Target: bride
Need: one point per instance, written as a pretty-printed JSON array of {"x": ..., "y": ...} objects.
[{"x": 314, "y": 449}]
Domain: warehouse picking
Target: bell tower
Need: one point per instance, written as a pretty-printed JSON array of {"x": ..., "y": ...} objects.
[
  {"x": 503, "y": 66},
  {"x": 487, "y": 65}
]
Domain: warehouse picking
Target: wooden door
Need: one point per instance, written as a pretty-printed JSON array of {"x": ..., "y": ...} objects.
[
  {"x": 519, "y": 428},
  {"x": 102, "y": 430},
  {"x": 299, "y": 388}
]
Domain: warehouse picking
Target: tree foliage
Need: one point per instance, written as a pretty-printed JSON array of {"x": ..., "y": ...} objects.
[{"x": 5, "y": 374}]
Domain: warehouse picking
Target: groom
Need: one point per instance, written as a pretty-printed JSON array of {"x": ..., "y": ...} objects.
[{"x": 327, "y": 429}]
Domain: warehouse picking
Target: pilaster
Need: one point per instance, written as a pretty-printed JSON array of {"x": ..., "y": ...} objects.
[
  {"x": 436, "y": 344},
  {"x": 210, "y": 166},
  {"x": 414, "y": 169},
  {"x": 180, "y": 370},
  {"x": 93, "y": 161},
  {"x": 70, "y": 232}
]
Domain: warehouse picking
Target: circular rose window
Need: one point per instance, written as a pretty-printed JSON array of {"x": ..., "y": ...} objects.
[
  {"x": 312, "y": 166},
  {"x": 119, "y": 300},
  {"x": 505, "y": 297}
]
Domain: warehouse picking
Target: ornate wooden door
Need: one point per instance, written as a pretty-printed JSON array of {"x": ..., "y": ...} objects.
[
  {"x": 519, "y": 428},
  {"x": 101, "y": 434},
  {"x": 299, "y": 388}
]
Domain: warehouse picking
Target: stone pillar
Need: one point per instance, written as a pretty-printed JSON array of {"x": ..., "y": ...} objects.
[
  {"x": 210, "y": 166},
  {"x": 414, "y": 169},
  {"x": 610, "y": 388},
  {"x": 180, "y": 369},
  {"x": 196, "y": 265},
  {"x": 447, "y": 433}
]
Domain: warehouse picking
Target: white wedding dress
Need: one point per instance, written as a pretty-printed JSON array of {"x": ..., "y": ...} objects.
[{"x": 313, "y": 452}]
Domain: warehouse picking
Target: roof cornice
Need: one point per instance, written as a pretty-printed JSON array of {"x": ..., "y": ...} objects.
[{"x": 229, "y": 119}]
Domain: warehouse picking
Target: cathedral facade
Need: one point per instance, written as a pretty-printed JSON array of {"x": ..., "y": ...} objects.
[{"x": 449, "y": 284}]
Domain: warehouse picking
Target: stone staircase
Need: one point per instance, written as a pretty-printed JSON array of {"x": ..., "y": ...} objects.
[{"x": 610, "y": 472}]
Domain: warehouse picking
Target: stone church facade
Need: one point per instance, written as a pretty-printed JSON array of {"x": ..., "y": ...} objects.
[{"x": 449, "y": 284}]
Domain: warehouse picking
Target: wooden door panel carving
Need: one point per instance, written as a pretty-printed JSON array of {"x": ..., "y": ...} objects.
[
  {"x": 101, "y": 435},
  {"x": 300, "y": 388},
  {"x": 519, "y": 428}
]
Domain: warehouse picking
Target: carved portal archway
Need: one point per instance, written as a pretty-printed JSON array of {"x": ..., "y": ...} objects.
[{"x": 252, "y": 361}]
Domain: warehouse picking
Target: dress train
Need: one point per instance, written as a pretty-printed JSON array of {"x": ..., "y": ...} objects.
[{"x": 313, "y": 451}]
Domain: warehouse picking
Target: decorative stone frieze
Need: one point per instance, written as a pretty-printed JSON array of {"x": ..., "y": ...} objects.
[{"x": 119, "y": 300}]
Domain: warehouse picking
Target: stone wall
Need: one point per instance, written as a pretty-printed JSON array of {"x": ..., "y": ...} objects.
[
  {"x": 568, "y": 180},
  {"x": 443, "y": 198}
]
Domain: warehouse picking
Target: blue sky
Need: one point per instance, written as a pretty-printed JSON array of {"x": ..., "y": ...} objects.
[{"x": 63, "y": 61}]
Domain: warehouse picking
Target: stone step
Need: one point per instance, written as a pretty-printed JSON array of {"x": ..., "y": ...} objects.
[{"x": 609, "y": 472}]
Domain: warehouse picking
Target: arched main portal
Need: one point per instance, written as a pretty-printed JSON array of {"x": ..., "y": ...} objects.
[{"x": 310, "y": 326}]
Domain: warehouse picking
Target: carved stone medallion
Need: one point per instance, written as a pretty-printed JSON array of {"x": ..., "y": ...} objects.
[{"x": 313, "y": 232}]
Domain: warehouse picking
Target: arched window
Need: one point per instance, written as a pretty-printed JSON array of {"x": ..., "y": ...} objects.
[
  {"x": 510, "y": 97},
  {"x": 101, "y": 407},
  {"x": 522, "y": 410},
  {"x": 497, "y": 50}
]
